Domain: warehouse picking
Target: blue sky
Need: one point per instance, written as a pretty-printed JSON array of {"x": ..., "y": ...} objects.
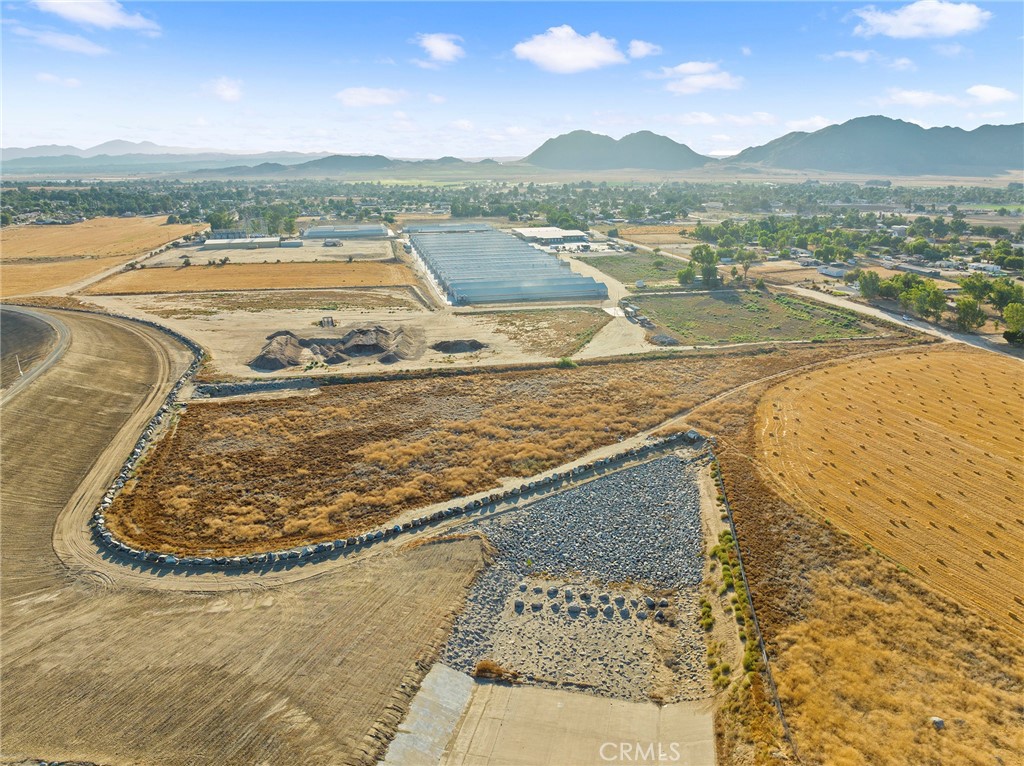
[{"x": 495, "y": 79}]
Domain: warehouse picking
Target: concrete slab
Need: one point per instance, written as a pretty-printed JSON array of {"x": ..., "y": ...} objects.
[
  {"x": 529, "y": 726},
  {"x": 432, "y": 717}
]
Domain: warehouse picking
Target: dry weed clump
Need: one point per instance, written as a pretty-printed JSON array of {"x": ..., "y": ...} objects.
[{"x": 268, "y": 474}]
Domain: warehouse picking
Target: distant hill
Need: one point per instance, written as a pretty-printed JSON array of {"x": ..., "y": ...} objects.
[
  {"x": 583, "y": 150},
  {"x": 887, "y": 146}
]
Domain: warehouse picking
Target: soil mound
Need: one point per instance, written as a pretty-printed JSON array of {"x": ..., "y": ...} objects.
[
  {"x": 458, "y": 346},
  {"x": 282, "y": 350}
]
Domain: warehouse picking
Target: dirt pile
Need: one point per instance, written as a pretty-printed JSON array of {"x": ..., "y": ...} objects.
[
  {"x": 458, "y": 346},
  {"x": 284, "y": 348}
]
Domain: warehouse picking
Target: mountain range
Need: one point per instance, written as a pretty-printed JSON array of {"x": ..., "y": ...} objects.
[{"x": 864, "y": 145}]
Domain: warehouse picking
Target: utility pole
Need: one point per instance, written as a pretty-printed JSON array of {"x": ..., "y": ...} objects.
[{"x": 21, "y": 372}]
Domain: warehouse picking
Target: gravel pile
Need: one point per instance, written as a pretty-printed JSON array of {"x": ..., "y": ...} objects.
[{"x": 640, "y": 525}]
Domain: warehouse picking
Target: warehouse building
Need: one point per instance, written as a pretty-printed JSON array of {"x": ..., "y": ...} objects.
[
  {"x": 489, "y": 266},
  {"x": 550, "y": 235},
  {"x": 373, "y": 231}
]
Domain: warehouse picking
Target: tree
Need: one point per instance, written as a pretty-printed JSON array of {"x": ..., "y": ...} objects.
[
  {"x": 926, "y": 300},
  {"x": 1013, "y": 315},
  {"x": 969, "y": 314},
  {"x": 976, "y": 286},
  {"x": 172, "y": 219},
  {"x": 745, "y": 258},
  {"x": 687, "y": 275},
  {"x": 707, "y": 259},
  {"x": 869, "y": 282},
  {"x": 1004, "y": 292}
]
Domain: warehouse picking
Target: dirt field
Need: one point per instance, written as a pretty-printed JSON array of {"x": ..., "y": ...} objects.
[
  {"x": 864, "y": 652},
  {"x": 247, "y": 475},
  {"x": 211, "y": 304},
  {"x": 30, "y": 277},
  {"x": 655, "y": 235},
  {"x": 919, "y": 455},
  {"x": 548, "y": 332},
  {"x": 96, "y": 237},
  {"x": 749, "y": 317},
  {"x": 96, "y": 670},
  {"x": 202, "y": 278},
  {"x": 312, "y": 250},
  {"x": 24, "y": 340}
]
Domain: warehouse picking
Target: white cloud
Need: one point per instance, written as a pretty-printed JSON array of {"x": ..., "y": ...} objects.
[
  {"x": 564, "y": 51},
  {"x": 918, "y": 98},
  {"x": 639, "y": 49},
  {"x": 817, "y": 122},
  {"x": 105, "y": 14},
  {"x": 902, "y": 64},
  {"x": 745, "y": 50},
  {"x": 950, "y": 50},
  {"x": 924, "y": 18},
  {"x": 441, "y": 48},
  {"x": 697, "y": 76},
  {"x": 433, "y": 98},
  {"x": 225, "y": 88},
  {"x": 52, "y": 79},
  {"x": 62, "y": 42},
  {"x": 465, "y": 125},
  {"x": 696, "y": 118},
  {"x": 861, "y": 57},
  {"x": 358, "y": 97},
  {"x": 754, "y": 118},
  {"x": 990, "y": 94}
]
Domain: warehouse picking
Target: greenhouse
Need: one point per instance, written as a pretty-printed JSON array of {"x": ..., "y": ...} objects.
[{"x": 489, "y": 266}]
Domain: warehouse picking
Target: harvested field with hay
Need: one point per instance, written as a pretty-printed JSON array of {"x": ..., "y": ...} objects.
[
  {"x": 732, "y": 316},
  {"x": 27, "y": 277},
  {"x": 95, "y": 237},
  {"x": 864, "y": 652},
  {"x": 549, "y": 332},
  {"x": 266, "y": 276},
  {"x": 655, "y": 235},
  {"x": 920, "y": 455},
  {"x": 263, "y": 475}
]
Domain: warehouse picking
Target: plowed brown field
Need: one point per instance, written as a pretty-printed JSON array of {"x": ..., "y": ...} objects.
[
  {"x": 29, "y": 277},
  {"x": 920, "y": 455},
  {"x": 98, "y": 236},
  {"x": 254, "y": 277}
]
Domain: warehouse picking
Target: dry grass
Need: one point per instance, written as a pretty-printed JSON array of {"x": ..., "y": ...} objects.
[
  {"x": 243, "y": 476},
  {"x": 95, "y": 237},
  {"x": 209, "y": 304},
  {"x": 254, "y": 277},
  {"x": 29, "y": 277},
  {"x": 655, "y": 235},
  {"x": 919, "y": 455},
  {"x": 552, "y": 332},
  {"x": 863, "y": 652}
]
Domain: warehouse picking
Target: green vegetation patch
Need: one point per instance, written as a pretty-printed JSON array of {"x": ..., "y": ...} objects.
[
  {"x": 728, "y": 316},
  {"x": 630, "y": 267}
]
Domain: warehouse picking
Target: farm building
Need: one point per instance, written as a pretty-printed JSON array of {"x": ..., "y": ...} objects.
[
  {"x": 374, "y": 231},
  {"x": 550, "y": 235},
  {"x": 921, "y": 271},
  {"x": 227, "y": 234},
  {"x": 437, "y": 228},
  {"x": 832, "y": 271},
  {"x": 241, "y": 244},
  {"x": 489, "y": 266}
]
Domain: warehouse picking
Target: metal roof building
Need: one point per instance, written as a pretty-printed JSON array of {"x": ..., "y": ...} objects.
[
  {"x": 488, "y": 266},
  {"x": 346, "y": 232},
  {"x": 436, "y": 228},
  {"x": 550, "y": 235}
]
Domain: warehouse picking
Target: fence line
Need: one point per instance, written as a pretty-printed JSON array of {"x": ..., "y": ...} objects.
[{"x": 753, "y": 613}]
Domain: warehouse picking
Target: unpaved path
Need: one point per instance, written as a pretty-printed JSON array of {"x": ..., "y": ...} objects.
[{"x": 95, "y": 669}]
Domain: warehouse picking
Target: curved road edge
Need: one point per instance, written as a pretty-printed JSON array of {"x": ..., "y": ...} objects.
[{"x": 55, "y": 354}]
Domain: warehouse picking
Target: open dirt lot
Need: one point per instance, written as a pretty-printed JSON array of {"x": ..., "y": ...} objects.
[
  {"x": 96, "y": 237},
  {"x": 628, "y": 268},
  {"x": 312, "y": 250},
  {"x": 185, "y": 306},
  {"x": 247, "y": 475},
  {"x": 547, "y": 332},
  {"x": 24, "y": 341},
  {"x": 655, "y": 235},
  {"x": 864, "y": 652},
  {"x": 202, "y": 278},
  {"x": 29, "y": 277},
  {"x": 96, "y": 670},
  {"x": 921, "y": 455}
]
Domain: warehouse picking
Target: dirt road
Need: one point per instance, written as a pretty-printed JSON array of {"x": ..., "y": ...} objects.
[{"x": 100, "y": 670}]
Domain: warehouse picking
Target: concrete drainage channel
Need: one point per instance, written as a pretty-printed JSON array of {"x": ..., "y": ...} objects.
[{"x": 324, "y": 550}]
